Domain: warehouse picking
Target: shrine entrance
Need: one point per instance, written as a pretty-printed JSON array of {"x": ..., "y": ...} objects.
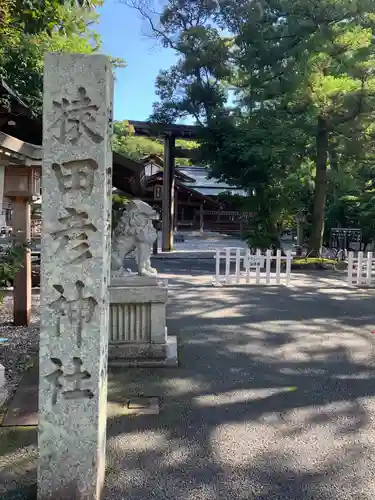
[{"x": 170, "y": 133}]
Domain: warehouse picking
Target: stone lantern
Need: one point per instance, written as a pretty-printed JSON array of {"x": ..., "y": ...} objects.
[{"x": 22, "y": 182}]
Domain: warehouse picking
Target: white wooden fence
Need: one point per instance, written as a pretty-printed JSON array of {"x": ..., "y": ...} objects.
[
  {"x": 251, "y": 269},
  {"x": 361, "y": 269}
]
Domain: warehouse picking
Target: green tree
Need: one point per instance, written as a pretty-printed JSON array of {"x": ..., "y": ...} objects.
[
  {"x": 137, "y": 147},
  {"x": 30, "y": 28},
  {"x": 34, "y": 16},
  {"x": 119, "y": 203},
  {"x": 301, "y": 74},
  {"x": 351, "y": 198},
  {"x": 321, "y": 73},
  {"x": 11, "y": 261},
  {"x": 192, "y": 87}
]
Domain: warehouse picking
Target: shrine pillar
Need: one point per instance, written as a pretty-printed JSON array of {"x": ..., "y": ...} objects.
[
  {"x": 21, "y": 186},
  {"x": 168, "y": 194},
  {"x": 21, "y": 225},
  {"x": 201, "y": 218}
]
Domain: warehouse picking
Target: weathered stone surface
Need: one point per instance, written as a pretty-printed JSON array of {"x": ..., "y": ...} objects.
[
  {"x": 135, "y": 281},
  {"x": 77, "y": 168},
  {"x": 2, "y": 376},
  {"x": 134, "y": 232},
  {"x": 143, "y": 356},
  {"x": 138, "y": 314},
  {"x": 138, "y": 323},
  {"x": 130, "y": 351},
  {"x": 134, "y": 295}
]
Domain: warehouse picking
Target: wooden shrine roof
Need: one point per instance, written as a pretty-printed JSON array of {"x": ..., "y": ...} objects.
[
  {"x": 154, "y": 158},
  {"x": 16, "y": 119},
  {"x": 128, "y": 174},
  {"x": 189, "y": 191},
  {"x": 6, "y": 90},
  {"x": 177, "y": 173},
  {"x": 19, "y": 151}
]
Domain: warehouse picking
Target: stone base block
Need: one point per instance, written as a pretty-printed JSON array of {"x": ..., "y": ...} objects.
[
  {"x": 3, "y": 391},
  {"x": 3, "y": 399},
  {"x": 2, "y": 376},
  {"x": 132, "y": 281},
  {"x": 138, "y": 332},
  {"x": 136, "y": 351},
  {"x": 169, "y": 360}
]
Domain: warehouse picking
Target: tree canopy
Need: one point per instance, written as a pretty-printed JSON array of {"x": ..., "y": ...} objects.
[
  {"x": 283, "y": 91},
  {"x": 30, "y": 28},
  {"x": 137, "y": 147}
]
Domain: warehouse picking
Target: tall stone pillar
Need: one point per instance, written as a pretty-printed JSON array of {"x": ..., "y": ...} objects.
[
  {"x": 76, "y": 208},
  {"x": 168, "y": 194}
]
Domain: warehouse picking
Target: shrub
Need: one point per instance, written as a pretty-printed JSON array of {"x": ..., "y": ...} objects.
[{"x": 11, "y": 261}]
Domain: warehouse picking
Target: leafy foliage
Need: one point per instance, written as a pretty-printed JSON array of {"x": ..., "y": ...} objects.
[
  {"x": 126, "y": 142},
  {"x": 11, "y": 261},
  {"x": 283, "y": 91},
  {"x": 119, "y": 203},
  {"x": 30, "y": 28},
  {"x": 137, "y": 147}
]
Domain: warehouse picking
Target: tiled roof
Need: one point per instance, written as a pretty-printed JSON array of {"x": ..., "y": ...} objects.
[{"x": 207, "y": 186}]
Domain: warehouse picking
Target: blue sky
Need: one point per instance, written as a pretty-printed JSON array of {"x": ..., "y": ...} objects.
[{"x": 122, "y": 34}]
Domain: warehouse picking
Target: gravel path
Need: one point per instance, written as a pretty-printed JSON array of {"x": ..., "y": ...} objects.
[{"x": 22, "y": 346}]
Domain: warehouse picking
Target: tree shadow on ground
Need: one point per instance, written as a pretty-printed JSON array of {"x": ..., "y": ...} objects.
[
  {"x": 273, "y": 399},
  {"x": 18, "y": 455}
]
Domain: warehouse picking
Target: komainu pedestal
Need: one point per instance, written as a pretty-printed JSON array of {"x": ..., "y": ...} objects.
[{"x": 137, "y": 331}]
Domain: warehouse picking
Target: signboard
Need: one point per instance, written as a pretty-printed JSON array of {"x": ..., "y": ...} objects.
[
  {"x": 158, "y": 192},
  {"x": 341, "y": 238},
  {"x": 256, "y": 260}
]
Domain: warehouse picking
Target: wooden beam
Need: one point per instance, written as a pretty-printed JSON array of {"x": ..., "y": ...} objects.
[
  {"x": 21, "y": 222},
  {"x": 168, "y": 194},
  {"x": 177, "y": 131},
  {"x": 19, "y": 147}
]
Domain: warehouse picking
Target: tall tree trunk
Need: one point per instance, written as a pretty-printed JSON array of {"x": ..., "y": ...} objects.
[
  {"x": 334, "y": 166},
  {"x": 316, "y": 238}
]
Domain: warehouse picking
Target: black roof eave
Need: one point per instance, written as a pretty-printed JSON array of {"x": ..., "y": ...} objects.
[{"x": 152, "y": 129}]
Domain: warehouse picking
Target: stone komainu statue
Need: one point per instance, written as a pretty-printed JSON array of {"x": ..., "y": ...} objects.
[{"x": 134, "y": 231}]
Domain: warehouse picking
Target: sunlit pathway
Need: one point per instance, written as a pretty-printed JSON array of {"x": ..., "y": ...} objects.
[{"x": 273, "y": 399}]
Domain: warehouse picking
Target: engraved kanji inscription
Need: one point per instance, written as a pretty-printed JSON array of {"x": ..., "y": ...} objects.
[
  {"x": 75, "y": 119},
  {"x": 77, "y": 175},
  {"x": 76, "y": 311},
  {"x": 72, "y": 381},
  {"x": 74, "y": 235}
]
